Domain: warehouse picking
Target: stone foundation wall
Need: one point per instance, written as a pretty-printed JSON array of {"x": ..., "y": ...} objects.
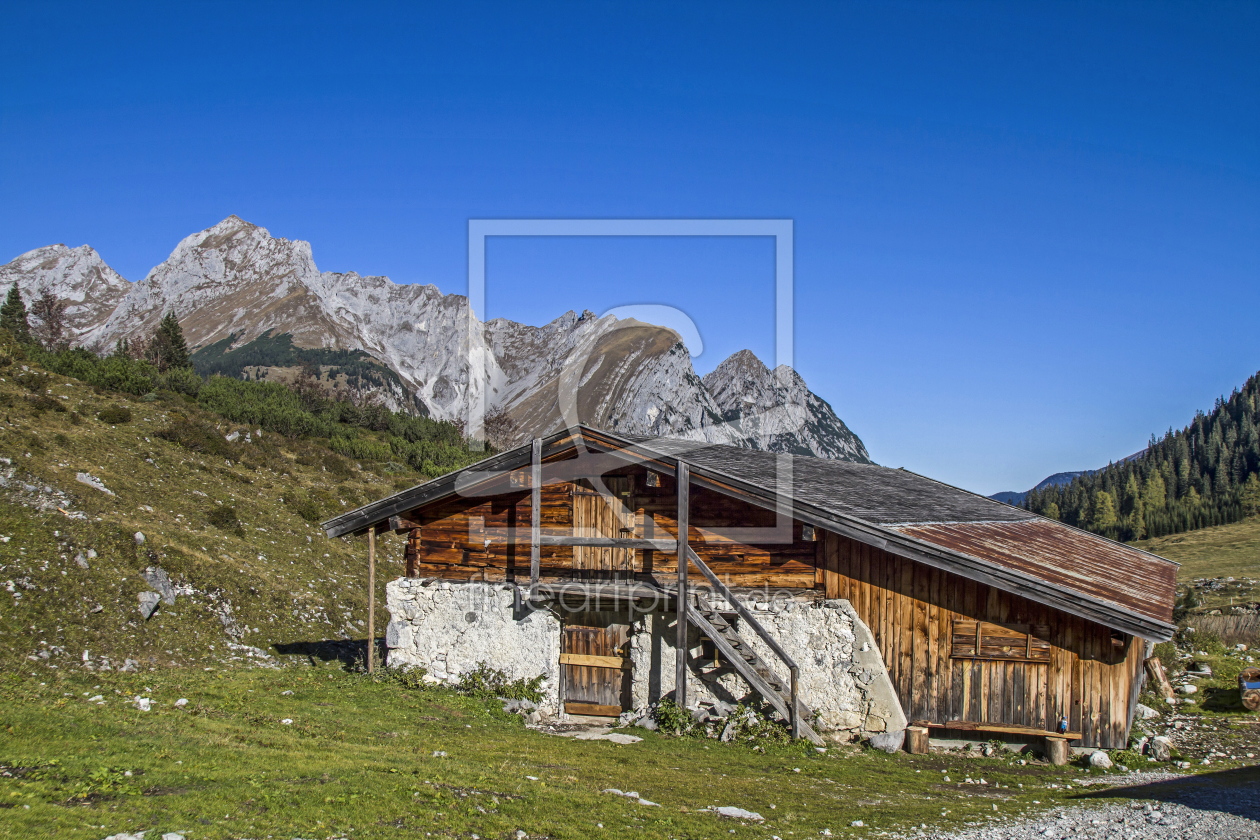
[{"x": 448, "y": 628}]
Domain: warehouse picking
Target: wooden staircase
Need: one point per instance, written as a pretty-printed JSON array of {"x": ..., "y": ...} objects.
[{"x": 779, "y": 693}]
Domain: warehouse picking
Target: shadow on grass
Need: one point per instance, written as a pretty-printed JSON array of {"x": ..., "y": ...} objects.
[
  {"x": 351, "y": 653},
  {"x": 1234, "y": 791}
]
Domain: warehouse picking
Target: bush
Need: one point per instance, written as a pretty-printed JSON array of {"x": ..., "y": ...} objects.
[
  {"x": 182, "y": 381},
  {"x": 338, "y": 467},
  {"x": 40, "y": 403},
  {"x": 114, "y": 414},
  {"x": 486, "y": 683},
  {"x": 672, "y": 719},
  {"x": 303, "y": 505},
  {"x": 196, "y": 436},
  {"x": 224, "y": 518}
]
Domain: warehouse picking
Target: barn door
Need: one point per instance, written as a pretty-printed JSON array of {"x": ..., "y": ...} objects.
[
  {"x": 604, "y": 515},
  {"x": 595, "y": 665}
]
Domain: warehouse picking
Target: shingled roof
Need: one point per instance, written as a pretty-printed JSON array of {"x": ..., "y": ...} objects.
[{"x": 896, "y": 510}]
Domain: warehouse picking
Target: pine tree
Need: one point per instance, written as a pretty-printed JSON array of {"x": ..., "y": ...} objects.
[
  {"x": 168, "y": 350},
  {"x": 13, "y": 316}
]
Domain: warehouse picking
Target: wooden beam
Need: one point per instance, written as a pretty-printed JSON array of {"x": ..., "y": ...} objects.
[
  {"x": 535, "y": 504},
  {"x": 402, "y": 524},
  {"x": 595, "y": 661},
  {"x": 667, "y": 546},
  {"x": 1005, "y": 729},
  {"x": 684, "y": 515},
  {"x": 371, "y": 651},
  {"x": 596, "y": 709}
]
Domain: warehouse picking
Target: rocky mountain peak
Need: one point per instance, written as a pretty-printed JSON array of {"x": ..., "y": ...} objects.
[
  {"x": 234, "y": 279},
  {"x": 77, "y": 275}
]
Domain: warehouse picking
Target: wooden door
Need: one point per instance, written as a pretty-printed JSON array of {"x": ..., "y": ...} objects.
[
  {"x": 595, "y": 665},
  {"x": 598, "y": 514}
]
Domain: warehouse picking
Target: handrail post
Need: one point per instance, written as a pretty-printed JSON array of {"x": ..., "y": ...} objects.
[
  {"x": 683, "y": 482},
  {"x": 535, "y": 506},
  {"x": 796, "y": 713}
]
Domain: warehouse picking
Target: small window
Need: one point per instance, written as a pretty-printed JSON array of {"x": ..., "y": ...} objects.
[
  {"x": 807, "y": 533},
  {"x": 985, "y": 640},
  {"x": 653, "y": 479}
]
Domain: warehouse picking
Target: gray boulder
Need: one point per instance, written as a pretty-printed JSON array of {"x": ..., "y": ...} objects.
[
  {"x": 889, "y": 742},
  {"x": 161, "y": 582},
  {"x": 1145, "y": 712},
  {"x": 148, "y": 603},
  {"x": 1160, "y": 748},
  {"x": 1100, "y": 760}
]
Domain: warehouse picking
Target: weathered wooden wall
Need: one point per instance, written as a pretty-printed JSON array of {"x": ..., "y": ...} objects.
[
  {"x": 910, "y": 608},
  {"x": 452, "y": 536}
]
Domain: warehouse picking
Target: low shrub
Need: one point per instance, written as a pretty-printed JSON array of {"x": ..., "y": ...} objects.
[
  {"x": 39, "y": 403},
  {"x": 224, "y": 518},
  {"x": 196, "y": 435},
  {"x": 486, "y": 683},
  {"x": 303, "y": 505},
  {"x": 672, "y": 719},
  {"x": 114, "y": 414}
]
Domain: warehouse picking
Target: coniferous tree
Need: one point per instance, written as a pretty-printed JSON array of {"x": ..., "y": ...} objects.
[
  {"x": 168, "y": 350},
  {"x": 1190, "y": 478},
  {"x": 13, "y": 316}
]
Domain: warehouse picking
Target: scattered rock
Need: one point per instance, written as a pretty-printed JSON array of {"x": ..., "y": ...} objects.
[
  {"x": 148, "y": 603},
  {"x": 287, "y": 721},
  {"x": 139, "y": 537},
  {"x": 1160, "y": 748},
  {"x": 93, "y": 482},
  {"x": 1146, "y": 712},
  {"x": 172, "y": 835},
  {"x": 288, "y": 692},
  {"x": 731, "y": 812},
  {"x": 1100, "y": 760},
  {"x": 889, "y": 742},
  {"x": 143, "y": 703},
  {"x": 521, "y": 835},
  {"x": 857, "y": 824},
  {"x": 161, "y": 582},
  {"x": 181, "y": 702},
  {"x": 646, "y": 722},
  {"x": 1188, "y": 689}
]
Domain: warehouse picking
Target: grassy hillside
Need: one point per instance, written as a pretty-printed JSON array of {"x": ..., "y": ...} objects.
[
  {"x": 231, "y": 523},
  {"x": 1220, "y": 552}
]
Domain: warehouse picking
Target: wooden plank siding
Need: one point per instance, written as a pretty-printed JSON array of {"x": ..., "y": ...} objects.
[{"x": 910, "y": 609}]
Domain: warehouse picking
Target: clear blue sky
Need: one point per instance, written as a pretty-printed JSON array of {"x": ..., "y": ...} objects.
[{"x": 1027, "y": 235}]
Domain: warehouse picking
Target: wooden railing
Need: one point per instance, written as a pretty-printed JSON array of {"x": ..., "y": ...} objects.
[{"x": 721, "y": 589}]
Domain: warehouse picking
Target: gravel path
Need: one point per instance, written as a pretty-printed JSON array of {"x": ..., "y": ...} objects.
[{"x": 1217, "y": 806}]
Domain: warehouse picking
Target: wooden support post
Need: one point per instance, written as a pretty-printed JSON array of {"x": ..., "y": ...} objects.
[
  {"x": 371, "y": 651},
  {"x": 1155, "y": 669},
  {"x": 535, "y": 517},
  {"x": 683, "y": 483},
  {"x": 917, "y": 740},
  {"x": 1057, "y": 751}
]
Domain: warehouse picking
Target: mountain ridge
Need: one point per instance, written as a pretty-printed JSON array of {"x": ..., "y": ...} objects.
[{"x": 234, "y": 279}]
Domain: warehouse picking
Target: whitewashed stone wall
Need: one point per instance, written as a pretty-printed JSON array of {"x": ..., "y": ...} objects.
[
  {"x": 448, "y": 628},
  {"x": 842, "y": 674}
]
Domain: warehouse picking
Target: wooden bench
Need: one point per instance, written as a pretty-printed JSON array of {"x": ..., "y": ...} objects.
[{"x": 1056, "y": 742}]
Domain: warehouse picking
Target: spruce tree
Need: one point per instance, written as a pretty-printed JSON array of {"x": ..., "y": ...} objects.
[
  {"x": 13, "y": 316},
  {"x": 168, "y": 348}
]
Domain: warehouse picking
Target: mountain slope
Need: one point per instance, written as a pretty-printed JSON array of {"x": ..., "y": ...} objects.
[
  {"x": 777, "y": 411},
  {"x": 77, "y": 275},
  {"x": 72, "y": 568},
  {"x": 236, "y": 288}
]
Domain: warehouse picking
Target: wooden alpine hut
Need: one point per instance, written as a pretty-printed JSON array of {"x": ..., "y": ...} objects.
[{"x": 848, "y": 598}]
